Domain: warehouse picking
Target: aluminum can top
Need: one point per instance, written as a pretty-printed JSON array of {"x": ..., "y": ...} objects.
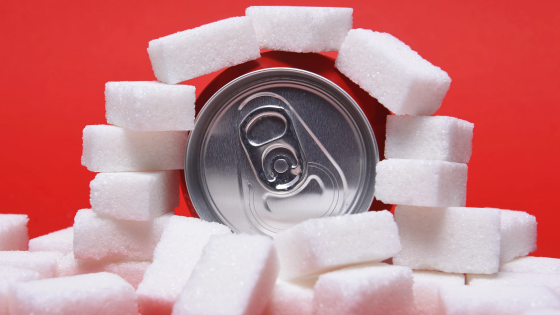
[{"x": 277, "y": 146}]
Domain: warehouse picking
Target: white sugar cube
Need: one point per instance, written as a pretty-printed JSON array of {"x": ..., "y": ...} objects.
[
  {"x": 428, "y": 138},
  {"x": 131, "y": 271},
  {"x": 290, "y": 298},
  {"x": 13, "y": 232},
  {"x": 44, "y": 263},
  {"x": 495, "y": 300},
  {"x": 59, "y": 241},
  {"x": 426, "y": 183},
  {"x": 519, "y": 234},
  {"x": 455, "y": 240},
  {"x": 393, "y": 73},
  {"x": 532, "y": 265},
  {"x": 136, "y": 196},
  {"x": 552, "y": 281},
  {"x": 150, "y": 106},
  {"x": 381, "y": 289},
  {"x": 208, "y": 48},
  {"x": 115, "y": 149},
  {"x": 96, "y": 293},
  {"x": 9, "y": 275},
  {"x": 102, "y": 238},
  {"x": 300, "y": 29},
  {"x": 235, "y": 275},
  {"x": 319, "y": 245},
  {"x": 175, "y": 257},
  {"x": 426, "y": 289}
]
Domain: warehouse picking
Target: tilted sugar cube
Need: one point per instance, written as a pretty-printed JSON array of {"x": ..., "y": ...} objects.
[
  {"x": 131, "y": 271},
  {"x": 136, "y": 196},
  {"x": 115, "y": 149},
  {"x": 235, "y": 275},
  {"x": 207, "y": 48},
  {"x": 300, "y": 29},
  {"x": 175, "y": 257},
  {"x": 101, "y": 238},
  {"x": 532, "y": 265},
  {"x": 59, "y": 241},
  {"x": 426, "y": 183},
  {"x": 426, "y": 289},
  {"x": 455, "y": 240},
  {"x": 551, "y": 281},
  {"x": 150, "y": 106},
  {"x": 290, "y": 298},
  {"x": 393, "y": 73},
  {"x": 428, "y": 138},
  {"x": 9, "y": 275},
  {"x": 495, "y": 300},
  {"x": 96, "y": 293},
  {"x": 13, "y": 232},
  {"x": 372, "y": 290},
  {"x": 519, "y": 234},
  {"x": 44, "y": 263},
  {"x": 319, "y": 245}
]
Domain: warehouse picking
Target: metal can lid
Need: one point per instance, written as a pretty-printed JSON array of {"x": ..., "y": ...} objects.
[{"x": 278, "y": 146}]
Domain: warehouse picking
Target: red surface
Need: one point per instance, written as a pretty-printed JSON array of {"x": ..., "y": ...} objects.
[{"x": 57, "y": 55}]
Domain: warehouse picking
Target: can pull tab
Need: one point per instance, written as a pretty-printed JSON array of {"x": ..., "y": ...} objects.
[{"x": 272, "y": 146}]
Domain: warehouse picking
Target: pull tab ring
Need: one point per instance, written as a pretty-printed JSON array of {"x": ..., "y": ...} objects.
[{"x": 269, "y": 139}]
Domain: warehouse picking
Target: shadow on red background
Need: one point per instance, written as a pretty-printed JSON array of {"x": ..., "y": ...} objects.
[{"x": 57, "y": 56}]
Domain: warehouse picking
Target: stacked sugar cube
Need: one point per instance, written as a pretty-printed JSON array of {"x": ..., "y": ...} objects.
[
  {"x": 138, "y": 158},
  {"x": 425, "y": 176}
]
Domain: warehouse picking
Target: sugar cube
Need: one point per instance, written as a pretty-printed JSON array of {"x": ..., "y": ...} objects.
[
  {"x": 426, "y": 289},
  {"x": 96, "y": 293},
  {"x": 9, "y": 275},
  {"x": 59, "y": 241},
  {"x": 207, "y": 48},
  {"x": 319, "y": 245},
  {"x": 115, "y": 149},
  {"x": 427, "y": 183},
  {"x": 393, "y": 73},
  {"x": 44, "y": 263},
  {"x": 290, "y": 298},
  {"x": 379, "y": 289},
  {"x": 495, "y": 300},
  {"x": 552, "y": 281},
  {"x": 428, "y": 138},
  {"x": 519, "y": 234},
  {"x": 175, "y": 257},
  {"x": 532, "y": 265},
  {"x": 136, "y": 196},
  {"x": 150, "y": 106},
  {"x": 235, "y": 275},
  {"x": 101, "y": 238},
  {"x": 131, "y": 271},
  {"x": 455, "y": 239},
  {"x": 300, "y": 29},
  {"x": 13, "y": 232}
]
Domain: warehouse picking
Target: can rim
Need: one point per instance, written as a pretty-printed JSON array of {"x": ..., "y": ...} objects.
[{"x": 192, "y": 174}]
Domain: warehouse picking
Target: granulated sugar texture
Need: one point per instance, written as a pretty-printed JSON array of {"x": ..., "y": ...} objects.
[
  {"x": 393, "y": 73},
  {"x": 300, "y": 29},
  {"x": 208, "y": 48}
]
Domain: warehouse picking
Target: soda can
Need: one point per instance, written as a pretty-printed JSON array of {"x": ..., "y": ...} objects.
[{"x": 277, "y": 146}]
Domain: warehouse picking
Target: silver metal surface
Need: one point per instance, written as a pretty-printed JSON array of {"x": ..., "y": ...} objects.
[{"x": 278, "y": 146}]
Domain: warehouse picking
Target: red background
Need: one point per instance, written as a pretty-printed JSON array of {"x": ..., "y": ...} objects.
[{"x": 57, "y": 55}]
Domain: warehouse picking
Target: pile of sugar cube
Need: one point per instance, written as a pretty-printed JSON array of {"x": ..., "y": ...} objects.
[{"x": 129, "y": 252}]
